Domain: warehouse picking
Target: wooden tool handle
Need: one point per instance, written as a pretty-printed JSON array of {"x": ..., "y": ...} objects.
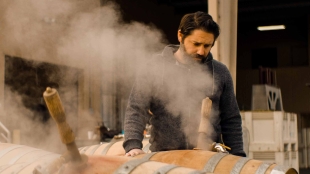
[
  {"x": 56, "y": 110},
  {"x": 204, "y": 141},
  {"x": 54, "y": 105},
  {"x": 205, "y": 115}
]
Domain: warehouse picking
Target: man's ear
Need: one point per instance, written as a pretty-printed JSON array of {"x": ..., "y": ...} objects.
[{"x": 180, "y": 35}]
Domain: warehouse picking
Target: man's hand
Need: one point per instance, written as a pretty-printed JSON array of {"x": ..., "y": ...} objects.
[{"x": 134, "y": 152}]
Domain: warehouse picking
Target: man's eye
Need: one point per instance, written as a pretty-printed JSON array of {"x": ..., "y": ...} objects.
[
  {"x": 196, "y": 44},
  {"x": 206, "y": 46}
]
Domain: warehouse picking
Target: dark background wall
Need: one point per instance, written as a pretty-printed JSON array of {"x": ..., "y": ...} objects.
[
  {"x": 285, "y": 51},
  {"x": 165, "y": 15}
]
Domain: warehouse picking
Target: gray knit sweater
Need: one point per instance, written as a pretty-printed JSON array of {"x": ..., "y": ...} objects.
[{"x": 173, "y": 93}]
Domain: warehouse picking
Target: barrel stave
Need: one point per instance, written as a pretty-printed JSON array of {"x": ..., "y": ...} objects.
[
  {"x": 226, "y": 164},
  {"x": 185, "y": 158}
]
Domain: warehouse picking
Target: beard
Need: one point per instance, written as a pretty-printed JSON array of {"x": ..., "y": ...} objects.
[{"x": 191, "y": 58}]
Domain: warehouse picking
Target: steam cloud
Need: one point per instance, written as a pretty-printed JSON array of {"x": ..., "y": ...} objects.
[{"x": 79, "y": 34}]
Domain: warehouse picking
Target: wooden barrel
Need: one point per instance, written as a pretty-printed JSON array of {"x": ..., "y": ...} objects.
[
  {"x": 21, "y": 168},
  {"x": 214, "y": 162},
  {"x": 203, "y": 160},
  {"x": 23, "y": 159},
  {"x": 127, "y": 165},
  {"x": 19, "y": 159},
  {"x": 114, "y": 148}
]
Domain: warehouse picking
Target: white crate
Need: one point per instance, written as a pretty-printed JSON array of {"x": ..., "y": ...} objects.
[
  {"x": 303, "y": 158},
  {"x": 307, "y": 134},
  {"x": 293, "y": 130},
  {"x": 294, "y": 159},
  {"x": 280, "y": 158},
  {"x": 271, "y": 131},
  {"x": 293, "y": 146},
  {"x": 303, "y": 148},
  {"x": 308, "y": 157},
  {"x": 287, "y": 158}
]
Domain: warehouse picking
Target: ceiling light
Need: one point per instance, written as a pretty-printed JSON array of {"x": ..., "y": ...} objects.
[{"x": 271, "y": 27}]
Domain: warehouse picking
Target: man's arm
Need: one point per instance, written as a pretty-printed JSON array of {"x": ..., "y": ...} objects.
[
  {"x": 231, "y": 123},
  {"x": 136, "y": 115},
  {"x": 135, "y": 118}
]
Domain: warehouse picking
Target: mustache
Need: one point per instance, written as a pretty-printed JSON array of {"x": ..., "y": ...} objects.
[{"x": 199, "y": 56}]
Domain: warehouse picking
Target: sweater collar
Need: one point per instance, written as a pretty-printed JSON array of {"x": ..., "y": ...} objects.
[{"x": 169, "y": 50}]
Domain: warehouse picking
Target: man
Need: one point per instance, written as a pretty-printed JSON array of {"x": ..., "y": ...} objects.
[{"x": 172, "y": 88}]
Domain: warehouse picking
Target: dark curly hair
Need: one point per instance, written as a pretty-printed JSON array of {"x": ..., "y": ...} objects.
[{"x": 198, "y": 20}]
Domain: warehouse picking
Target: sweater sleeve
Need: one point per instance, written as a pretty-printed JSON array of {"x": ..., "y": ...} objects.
[
  {"x": 136, "y": 115},
  {"x": 231, "y": 123}
]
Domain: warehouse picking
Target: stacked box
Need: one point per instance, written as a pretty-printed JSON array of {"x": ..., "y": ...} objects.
[
  {"x": 273, "y": 137},
  {"x": 302, "y": 148}
]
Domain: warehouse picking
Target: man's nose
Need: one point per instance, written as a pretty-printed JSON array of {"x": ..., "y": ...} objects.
[{"x": 201, "y": 51}]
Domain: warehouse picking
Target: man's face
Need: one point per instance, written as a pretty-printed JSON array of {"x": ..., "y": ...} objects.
[{"x": 196, "y": 46}]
